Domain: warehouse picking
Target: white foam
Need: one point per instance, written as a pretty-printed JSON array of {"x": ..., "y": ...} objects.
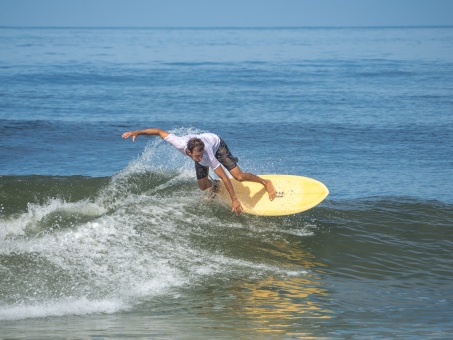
[
  {"x": 105, "y": 257},
  {"x": 299, "y": 232},
  {"x": 160, "y": 157},
  {"x": 29, "y": 221},
  {"x": 72, "y": 306},
  {"x": 135, "y": 245}
]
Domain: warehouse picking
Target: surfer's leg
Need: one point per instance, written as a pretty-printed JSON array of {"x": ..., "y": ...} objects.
[
  {"x": 203, "y": 183},
  {"x": 246, "y": 176},
  {"x": 225, "y": 157},
  {"x": 202, "y": 176}
]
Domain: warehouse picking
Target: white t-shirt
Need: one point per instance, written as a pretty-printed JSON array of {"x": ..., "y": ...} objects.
[{"x": 211, "y": 145}]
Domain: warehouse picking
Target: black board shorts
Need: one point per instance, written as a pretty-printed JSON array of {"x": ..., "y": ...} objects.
[{"x": 223, "y": 155}]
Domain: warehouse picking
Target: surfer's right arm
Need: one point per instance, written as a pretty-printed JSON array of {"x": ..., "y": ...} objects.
[
  {"x": 235, "y": 203},
  {"x": 153, "y": 131}
]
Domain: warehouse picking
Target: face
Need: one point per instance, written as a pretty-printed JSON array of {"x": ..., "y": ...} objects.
[{"x": 195, "y": 155}]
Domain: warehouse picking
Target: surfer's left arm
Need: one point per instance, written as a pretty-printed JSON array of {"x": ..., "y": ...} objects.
[
  {"x": 153, "y": 131},
  {"x": 236, "y": 204}
]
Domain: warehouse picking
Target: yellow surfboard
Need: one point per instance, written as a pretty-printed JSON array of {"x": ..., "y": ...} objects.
[{"x": 294, "y": 195}]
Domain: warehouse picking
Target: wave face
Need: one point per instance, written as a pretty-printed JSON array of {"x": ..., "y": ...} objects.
[{"x": 146, "y": 237}]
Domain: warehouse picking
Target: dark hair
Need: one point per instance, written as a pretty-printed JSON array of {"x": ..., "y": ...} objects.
[{"x": 195, "y": 143}]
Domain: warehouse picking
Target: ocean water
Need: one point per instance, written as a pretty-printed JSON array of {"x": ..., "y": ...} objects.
[{"x": 101, "y": 237}]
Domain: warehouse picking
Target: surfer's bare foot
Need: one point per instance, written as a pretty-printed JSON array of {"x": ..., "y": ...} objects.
[{"x": 270, "y": 189}]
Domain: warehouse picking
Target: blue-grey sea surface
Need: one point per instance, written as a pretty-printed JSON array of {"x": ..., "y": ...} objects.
[{"x": 102, "y": 237}]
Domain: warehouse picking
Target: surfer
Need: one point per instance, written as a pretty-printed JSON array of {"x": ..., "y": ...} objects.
[{"x": 209, "y": 151}]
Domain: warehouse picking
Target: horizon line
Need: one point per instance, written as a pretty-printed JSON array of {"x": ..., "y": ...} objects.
[{"x": 231, "y": 27}]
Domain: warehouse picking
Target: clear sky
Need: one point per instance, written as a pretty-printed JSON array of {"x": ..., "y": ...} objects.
[{"x": 225, "y": 13}]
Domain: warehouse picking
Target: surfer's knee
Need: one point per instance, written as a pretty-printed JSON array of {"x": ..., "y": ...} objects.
[
  {"x": 204, "y": 184},
  {"x": 241, "y": 177}
]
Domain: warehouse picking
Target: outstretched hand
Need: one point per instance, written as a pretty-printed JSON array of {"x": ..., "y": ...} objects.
[
  {"x": 236, "y": 207},
  {"x": 134, "y": 135}
]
